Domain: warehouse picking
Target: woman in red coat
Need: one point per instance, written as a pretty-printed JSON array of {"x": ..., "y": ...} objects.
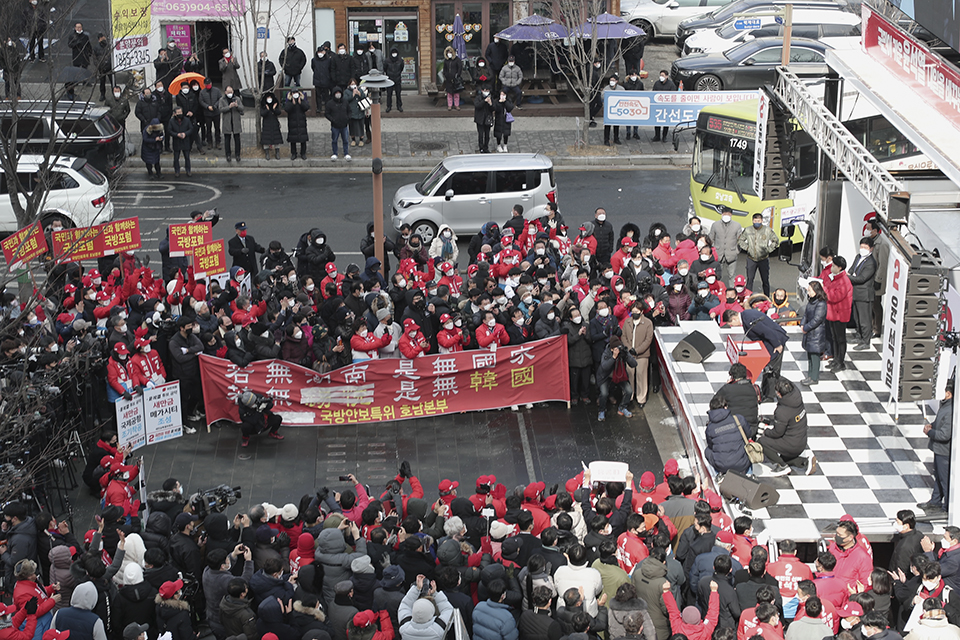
[
  {"x": 364, "y": 345},
  {"x": 412, "y": 342},
  {"x": 450, "y": 338},
  {"x": 839, "y": 292},
  {"x": 27, "y": 588}
]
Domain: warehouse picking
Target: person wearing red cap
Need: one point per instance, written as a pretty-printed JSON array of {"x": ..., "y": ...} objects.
[
  {"x": 491, "y": 334},
  {"x": 689, "y": 623},
  {"x": 362, "y": 622},
  {"x": 450, "y": 278},
  {"x": 412, "y": 342},
  {"x": 448, "y": 491},
  {"x": 740, "y": 287},
  {"x": 119, "y": 381},
  {"x": 484, "y": 497},
  {"x": 14, "y": 618},
  {"x": 173, "y": 613},
  {"x": 720, "y": 518},
  {"x": 122, "y": 488},
  {"x": 618, "y": 259},
  {"x": 450, "y": 338},
  {"x": 332, "y": 277},
  {"x": 532, "y": 502},
  {"x": 364, "y": 344},
  {"x": 395, "y": 488}
]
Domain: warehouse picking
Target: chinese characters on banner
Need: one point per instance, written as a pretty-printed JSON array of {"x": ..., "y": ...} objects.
[
  {"x": 162, "y": 415},
  {"x": 392, "y": 388},
  {"x": 131, "y": 30},
  {"x": 150, "y": 417},
  {"x": 84, "y": 243},
  {"x": 184, "y": 238},
  {"x": 131, "y": 428},
  {"x": 23, "y": 246},
  {"x": 209, "y": 259},
  {"x": 669, "y": 108}
]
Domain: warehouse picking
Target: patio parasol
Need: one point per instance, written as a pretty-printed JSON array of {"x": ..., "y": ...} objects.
[
  {"x": 174, "y": 87},
  {"x": 459, "y": 44},
  {"x": 608, "y": 27},
  {"x": 534, "y": 28}
]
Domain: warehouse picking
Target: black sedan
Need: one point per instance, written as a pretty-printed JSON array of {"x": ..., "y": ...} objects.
[{"x": 748, "y": 66}]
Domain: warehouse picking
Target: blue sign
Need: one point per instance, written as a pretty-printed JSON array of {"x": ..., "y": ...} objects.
[
  {"x": 778, "y": 20},
  {"x": 745, "y": 24},
  {"x": 263, "y": 33},
  {"x": 663, "y": 108}
]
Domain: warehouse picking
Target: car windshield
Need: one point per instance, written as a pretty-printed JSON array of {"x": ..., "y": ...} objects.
[
  {"x": 426, "y": 186},
  {"x": 724, "y": 13},
  {"x": 741, "y": 51}
]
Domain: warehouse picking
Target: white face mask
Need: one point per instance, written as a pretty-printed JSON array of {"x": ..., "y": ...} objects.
[
  {"x": 577, "y": 320},
  {"x": 237, "y": 342},
  {"x": 603, "y": 313},
  {"x": 551, "y": 316},
  {"x": 864, "y": 252},
  {"x": 160, "y": 308},
  {"x": 447, "y": 234},
  {"x": 146, "y": 349},
  {"x": 448, "y": 326},
  {"x": 269, "y": 100},
  {"x": 394, "y": 55},
  {"x": 196, "y": 328},
  {"x": 613, "y": 83},
  {"x": 297, "y": 335},
  {"x": 930, "y": 586},
  {"x": 695, "y": 228},
  {"x": 363, "y": 333},
  {"x": 601, "y": 217},
  {"x": 116, "y": 94},
  {"x": 186, "y": 90},
  {"x": 486, "y": 94},
  {"x": 320, "y": 240},
  {"x": 711, "y": 279},
  {"x": 54, "y": 347},
  {"x": 342, "y": 51},
  {"x": 608, "y": 274},
  {"x": 637, "y": 262},
  {"x": 677, "y": 287},
  {"x": 739, "y": 289},
  {"x": 726, "y": 217},
  {"x": 491, "y": 323},
  {"x": 458, "y": 322},
  {"x": 846, "y": 624},
  {"x": 481, "y": 64},
  {"x": 663, "y": 78},
  {"x": 401, "y": 283},
  {"x": 160, "y": 89},
  {"x": 619, "y": 287},
  {"x": 353, "y": 86},
  {"x": 527, "y": 299},
  {"x": 502, "y": 300}
]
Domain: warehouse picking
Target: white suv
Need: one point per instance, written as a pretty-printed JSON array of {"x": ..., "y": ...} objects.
[
  {"x": 78, "y": 194},
  {"x": 807, "y": 23},
  {"x": 660, "y": 18}
]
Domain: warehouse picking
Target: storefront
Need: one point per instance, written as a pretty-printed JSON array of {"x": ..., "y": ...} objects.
[
  {"x": 481, "y": 19},
  {"x": 388, "y": 29}
]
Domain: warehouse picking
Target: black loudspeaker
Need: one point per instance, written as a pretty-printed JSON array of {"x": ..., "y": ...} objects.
[
  {"x": 753, "y": 493},
  {"x": 694, "y": 348}
]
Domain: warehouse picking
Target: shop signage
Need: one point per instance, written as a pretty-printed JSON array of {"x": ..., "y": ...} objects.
[
  {"x": 669, "y": 108},
  {"x": 930, "y": 78},
  {"x": 131, "y": 31},
  {"x": 180, "y": 33}
]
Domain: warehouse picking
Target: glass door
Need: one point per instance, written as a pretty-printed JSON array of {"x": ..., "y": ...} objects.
[{"x": 402, "y": 32}]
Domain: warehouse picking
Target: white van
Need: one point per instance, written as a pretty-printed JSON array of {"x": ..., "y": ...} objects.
[
  {"x": 467, "y": 191},
  {"x": 77, "y": 193}
]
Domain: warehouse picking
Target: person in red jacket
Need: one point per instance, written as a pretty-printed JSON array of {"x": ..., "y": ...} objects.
[
  {"x": 450, "y": 337},
  {"x": 830, "y": 588},
  {"x": 665, "y": 254},
  {"x": 789, "y": 572},
  {"x": 740, "y": 286},
  {"x": 412, "y": 342},
  {"x": 14, "y": 619},
  {"x": 146, "y": 368},
  {"x": 451, "y": 279},
  {"x": 359, "y": 627},
  {"x": 718, "y": 516},
  {"x": 119, "y": 382},
  {"x": 532, "y": 502},
  {"x": 122, "y": 489},
  {"x": 716, "y": 285},
  {"x": 487, "y": 495},
  {"x": 490, "y": 334},
  {"x": 807, "y": 589},
  {"x": 332, "y": 277},
  {"x": 27, "y": 589},
  {"x": 854, "y": 564},
  {"x": 861, "y": 539},
  {"x": 364, "y": 344},
  {"x": 839, "y": 292},
  {"x": 689, "y": 624},
  {"x": 749, "y": 623},
  {"x": 687, "y": 250},
  {"x": 769, "y": 627},
  {"x": 395, "y": 489},
  {"x": 631, "y": 549},
  {"x": 619, "y": 258},
  {"x": 743, "y": 543}
]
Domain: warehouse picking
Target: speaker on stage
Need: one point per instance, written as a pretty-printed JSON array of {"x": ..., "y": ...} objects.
[
  {"x": 753, "y": 493},
  {"x": 694, "y": 348}
]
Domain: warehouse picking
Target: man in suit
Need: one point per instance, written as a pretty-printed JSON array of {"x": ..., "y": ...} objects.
[
  {"x": 862, "y": 273},
  {"x": 758, "y": 326},
  {"x": 244, "y": 249}
]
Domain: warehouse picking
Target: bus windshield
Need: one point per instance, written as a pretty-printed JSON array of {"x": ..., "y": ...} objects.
[{"x": 724, "y": 162}]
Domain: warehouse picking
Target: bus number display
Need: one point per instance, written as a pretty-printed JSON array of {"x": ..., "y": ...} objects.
[
  {"x": 735, "y": 128},
  {"x": 739, "y": 143}
]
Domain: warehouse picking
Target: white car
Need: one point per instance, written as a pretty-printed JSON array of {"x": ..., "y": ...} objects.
[
  {"x": 660, "y": 18},
  {"x": 807, "y": 23},
  {"x": 78, "y": 194}
]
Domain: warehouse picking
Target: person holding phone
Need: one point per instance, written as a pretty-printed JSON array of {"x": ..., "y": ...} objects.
[{"x": 296, "y": 106}]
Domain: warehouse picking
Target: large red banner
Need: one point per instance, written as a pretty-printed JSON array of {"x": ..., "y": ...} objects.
[
  {"x": 24, "y": 245},
  {"x": 186, "y": 237},
  {"x": 85, "y": 243},
  {"x": 393, "y": 388},
  {"x": 120, "y": 236},
  {"x": 209, "y": 259}
]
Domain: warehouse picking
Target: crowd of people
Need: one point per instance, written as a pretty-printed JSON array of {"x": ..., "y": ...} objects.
[{"x": 581, "y": 560}]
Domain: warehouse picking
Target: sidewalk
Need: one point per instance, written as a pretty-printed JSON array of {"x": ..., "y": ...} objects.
[{"x": 424, "y": 141}]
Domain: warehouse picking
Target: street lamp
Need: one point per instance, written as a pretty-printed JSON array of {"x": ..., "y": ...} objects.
[{"x": 374, "y": 82}]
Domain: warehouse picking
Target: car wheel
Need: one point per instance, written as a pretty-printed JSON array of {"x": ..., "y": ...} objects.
[
  {"x": 426, "y": 229},
  {"x": 648, "y": 30},
  {"x": 708, "y": 82}
]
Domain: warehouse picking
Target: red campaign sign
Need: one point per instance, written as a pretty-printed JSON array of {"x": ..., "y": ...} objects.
[
  {"x": 186, "y": 237},
  {"x": 932, "y": 79},
  {"x": 23, "y": 246},
  {"x": 120, "y": 236},
  {"x": 393, "y": 388},
  {"x": 76, "y": 244},
  {"x": 209, "y": 259}
]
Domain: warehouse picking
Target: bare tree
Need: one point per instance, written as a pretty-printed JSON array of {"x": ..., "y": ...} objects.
[{"x": 289, "y": 17}]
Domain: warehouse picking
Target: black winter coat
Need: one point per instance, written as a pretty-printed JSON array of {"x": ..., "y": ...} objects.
[
  {"x": 815, "y": 326},
  {"x": 789, "y": 425},
  {"x": 165, "y": 102},
  {"x": 341, "y": 70},
  {"x": 146, "y": 110},
  {"x": 603, "y": 232},
  {"x": 270, "y": 133},
  {"x": 190, "y": 102},
  {"x": 359, "y": 66},
  {"x": 393, "y": 67},
  {"x": 452, "y": 68},
  {"x": 174, "y": 616},
  {"x": 741, "y": 397},
  {"x": 293, "y": 60},
  {"x": 483, "y": 113},
  {"x": 182, "y": 125},
  {"x": 135, "y": 603},
  {"x": 724, "y": 443},
  {"x": 297, "y": 119},
  {"x": 322, "y": 71},
  {"x": 152, "y": 145},
  {"x": 500, "y": 125},
  {"x": 338, "y": 111}
]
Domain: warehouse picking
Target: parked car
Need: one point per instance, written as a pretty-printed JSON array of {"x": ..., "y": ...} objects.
[
  {"x": 743, "y": 8},
  {"x": 749, "y": 65},
  {"x": 807, "y": 23},
  {"x": 467, "y": 191},
  {"x": 79, "y": 129},
  {"x": 660, "y": 18},
  {"x": 77, "y": 193}
]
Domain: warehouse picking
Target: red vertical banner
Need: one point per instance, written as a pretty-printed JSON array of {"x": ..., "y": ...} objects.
[
  {"x": 23, "y": 246},
  {"x": 393, "y": 388},
  {"x": 184, "y": 238},
  {"x": 209, "y": 259},
  {"x": 120, "y": 236}
]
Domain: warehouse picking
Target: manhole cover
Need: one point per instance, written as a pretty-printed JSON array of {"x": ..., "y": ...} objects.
[{"x": 428, "y": 146}]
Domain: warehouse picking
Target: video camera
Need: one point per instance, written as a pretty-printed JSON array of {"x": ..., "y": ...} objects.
[{"x": 215, "y": 500}]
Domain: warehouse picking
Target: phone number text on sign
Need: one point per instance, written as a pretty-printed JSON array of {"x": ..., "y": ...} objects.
[
  {"x": 129, "y": 53},
  {"x": 214, "y": 8}
]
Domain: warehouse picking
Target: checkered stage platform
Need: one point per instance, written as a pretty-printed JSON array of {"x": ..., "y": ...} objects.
[{"x": 869, "y": 464}]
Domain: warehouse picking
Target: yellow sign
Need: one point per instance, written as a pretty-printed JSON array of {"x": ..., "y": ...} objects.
[{"x": 131, "y": 31}]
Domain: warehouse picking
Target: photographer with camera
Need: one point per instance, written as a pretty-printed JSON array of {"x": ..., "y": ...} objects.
[
  {"x": 256, "y": 416},
  {"x": 424, "y": 612},
  {"x": 613, "y": 372},
  {"x": 216, "y": 578}
]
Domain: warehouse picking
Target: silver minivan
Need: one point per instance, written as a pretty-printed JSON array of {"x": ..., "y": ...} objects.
[{"x": 467, "y": 191}]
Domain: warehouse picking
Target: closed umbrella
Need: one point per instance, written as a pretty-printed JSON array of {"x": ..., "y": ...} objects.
[
  {"x": 459, "y": 44},
  {"x": 534, "y": 28}
]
